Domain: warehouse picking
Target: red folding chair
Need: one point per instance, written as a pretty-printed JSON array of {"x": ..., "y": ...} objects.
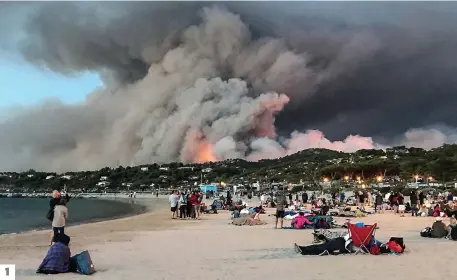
[{"x": 361, "y": 237}]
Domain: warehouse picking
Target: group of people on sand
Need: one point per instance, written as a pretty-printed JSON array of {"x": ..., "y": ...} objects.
[{"x": 186, "y": 204}]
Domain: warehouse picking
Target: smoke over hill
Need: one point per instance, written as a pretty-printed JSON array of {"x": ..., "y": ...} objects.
[{"x": 194, "y": 81}]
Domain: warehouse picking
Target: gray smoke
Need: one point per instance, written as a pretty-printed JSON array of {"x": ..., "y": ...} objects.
[{"x": 193, "y": 81}]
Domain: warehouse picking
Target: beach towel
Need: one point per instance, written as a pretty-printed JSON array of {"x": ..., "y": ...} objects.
[
  {"x": 57, "y": 260},
  {"x": 247, "y": 220},
  {"x": 82, "y": 263},
  {"x": 297, "y": 228}
]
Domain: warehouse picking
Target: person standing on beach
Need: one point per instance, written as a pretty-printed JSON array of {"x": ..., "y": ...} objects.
[
  {"x": 56, "y": 196},
  {"x": 174, "y": 198},
  {"x": 183, "y": 206},
  {"x": 280, "y": 209},
  {"x": 414, "y": 203},
  {"x": 304, "y": 197},
  {"x": 379, "y": 203},
  {"x": 60, "y": 218},
  {"x": 198, "y": 203},
  {"x": 189, "y": 205}
]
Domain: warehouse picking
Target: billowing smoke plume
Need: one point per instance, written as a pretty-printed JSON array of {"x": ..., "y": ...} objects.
[{"x": 198, "y": 82}]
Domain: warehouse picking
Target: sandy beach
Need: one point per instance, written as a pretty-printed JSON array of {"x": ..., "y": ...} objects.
[{"x": 152, "y": 246}]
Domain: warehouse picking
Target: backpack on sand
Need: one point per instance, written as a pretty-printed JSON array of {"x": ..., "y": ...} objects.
[
  {"x": 426, "y": 232},
  {"x": 82, "y": 264}
]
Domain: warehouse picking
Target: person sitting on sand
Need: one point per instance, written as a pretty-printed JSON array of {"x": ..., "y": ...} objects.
[
  {"x": 438, "y": 228},
  {"x": 258, "y": 211},
  {"x": 359, "y": 213},
  {"x": 300, "y": 221},
  {"x": 451, "y": 226},
  {"x": 57, "y": 259},
  {"x": 436, "y": 210}
]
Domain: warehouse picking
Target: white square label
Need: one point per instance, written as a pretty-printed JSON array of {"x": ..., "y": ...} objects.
[{"x": 7, "y": 272}]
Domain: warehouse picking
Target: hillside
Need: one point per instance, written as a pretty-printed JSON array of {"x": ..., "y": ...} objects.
[{"x": 307, "y": 167}]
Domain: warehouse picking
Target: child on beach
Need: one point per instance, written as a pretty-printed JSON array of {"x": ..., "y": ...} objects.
[{"x": 60, "y": 217}]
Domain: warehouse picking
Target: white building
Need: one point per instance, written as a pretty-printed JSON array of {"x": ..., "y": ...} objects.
[
  {"x": 103, "y": 178},
  {"x": 144, "y": 169},
  {"x": 67, "y": 177},
  {"x": 49, "y": 177}
]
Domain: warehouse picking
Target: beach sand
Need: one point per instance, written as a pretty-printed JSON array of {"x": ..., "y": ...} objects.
[{"x": 151, "y": 246}]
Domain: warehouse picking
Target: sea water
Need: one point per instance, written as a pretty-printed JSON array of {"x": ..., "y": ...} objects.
[{"x": 25, "y": 214}]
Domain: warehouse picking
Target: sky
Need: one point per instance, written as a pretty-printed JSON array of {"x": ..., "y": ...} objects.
[{"x": 22, "y": 84}]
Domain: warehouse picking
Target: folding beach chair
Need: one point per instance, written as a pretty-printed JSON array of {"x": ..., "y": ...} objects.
[{"x": 361, "y": 237}]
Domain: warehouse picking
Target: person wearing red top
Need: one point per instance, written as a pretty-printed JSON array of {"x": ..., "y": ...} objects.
[
  {"x": 300, "y": 221},
  {"x": 199, "y": 198},
  {"x": 193, "y": 201}
]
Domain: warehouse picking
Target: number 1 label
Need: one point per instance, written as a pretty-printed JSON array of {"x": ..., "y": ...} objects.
[{"x": 7, "y": 272}]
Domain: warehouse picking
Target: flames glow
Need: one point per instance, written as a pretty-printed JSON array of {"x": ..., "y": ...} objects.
[{"x": 205, "y": 153}]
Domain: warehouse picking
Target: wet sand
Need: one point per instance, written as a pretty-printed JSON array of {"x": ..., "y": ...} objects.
[{"x": 151, "y": 246}]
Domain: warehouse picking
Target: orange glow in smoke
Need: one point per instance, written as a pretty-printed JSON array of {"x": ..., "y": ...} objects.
[{"x": 205, "y": 154}]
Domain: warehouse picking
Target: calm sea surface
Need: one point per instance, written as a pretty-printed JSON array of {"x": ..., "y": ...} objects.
[{"x": 23, "y": 214}]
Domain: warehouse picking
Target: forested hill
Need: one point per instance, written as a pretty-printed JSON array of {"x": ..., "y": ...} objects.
[{"x": 305, "y": 167}]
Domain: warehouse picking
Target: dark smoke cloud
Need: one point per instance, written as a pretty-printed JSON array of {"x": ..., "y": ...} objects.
[{"x": 367, "y": 68}]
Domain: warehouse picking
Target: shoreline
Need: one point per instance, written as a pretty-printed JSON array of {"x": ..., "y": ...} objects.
[
  {"x": 35, "y": 243},
  {"x": 139, "y": 209}
]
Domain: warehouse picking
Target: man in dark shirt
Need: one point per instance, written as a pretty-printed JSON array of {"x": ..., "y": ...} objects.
[
  {"x": 414, "y": 203},
  {"x": 421, "y": 198},
  {"x": 304, "y": 197},
  {"x": 280, "y": 209}
]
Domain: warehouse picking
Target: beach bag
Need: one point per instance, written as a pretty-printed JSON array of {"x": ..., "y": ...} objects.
[
  {"x": 82, "y": 263},
  {"x": 50, "y": 215},
  {"x": 394, "y": 247},
  {"x": 399, "y": 241},
  {"x": 426, "y": 232}
]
